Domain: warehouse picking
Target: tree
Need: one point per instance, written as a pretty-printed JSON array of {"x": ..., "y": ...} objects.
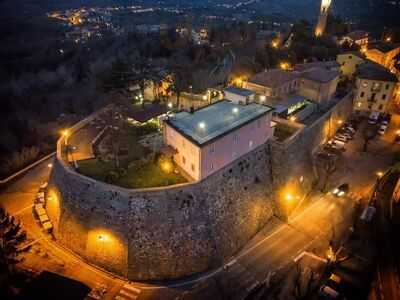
[
  {"x": 369, "y": 134},
  {"x": 11, "y": 238},
  {"x": 329, "y": 167},
  {"x": 144, "y": 73},
  {"x": 305, "y": 283},
  {"x": 180, "y": 78}
]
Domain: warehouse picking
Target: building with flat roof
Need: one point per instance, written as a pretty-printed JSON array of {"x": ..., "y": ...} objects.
[
  {"x": 239, "y": 95},
  {"x": 212, "y": 137},
  {"x": 375, "y": 87}
]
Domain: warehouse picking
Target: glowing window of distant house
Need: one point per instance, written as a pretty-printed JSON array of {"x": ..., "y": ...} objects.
[
  {"x": 250, "y": 144},
  {"x": 211, "y": 166}
]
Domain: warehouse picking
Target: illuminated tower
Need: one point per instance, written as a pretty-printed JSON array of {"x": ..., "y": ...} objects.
[{"x": 323, "y": 17}]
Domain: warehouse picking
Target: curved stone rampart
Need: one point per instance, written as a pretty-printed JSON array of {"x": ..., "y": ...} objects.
[{"x": 160, "y": 233}]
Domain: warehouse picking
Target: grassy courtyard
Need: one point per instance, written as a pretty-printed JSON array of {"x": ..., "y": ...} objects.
[
  {"x": 146, "y": 175},
  {"x": 138, "y": 167}
]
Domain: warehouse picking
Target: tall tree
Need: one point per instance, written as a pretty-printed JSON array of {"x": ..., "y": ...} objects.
[
  {"x": 11, "y": 238},
  {"x": 368, "y": 135},
  {"x": 180, "y": 77}
]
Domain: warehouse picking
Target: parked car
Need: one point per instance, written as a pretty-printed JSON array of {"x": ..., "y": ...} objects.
[
  {"x": 346, "y": 133},
  {"x": 373, "y": 117},
  {"x": 328, "y": 293},
  {"x": 382, "y": 130},
  {"x": 332, "y": 150},
  {"x": 397, "y": 138},
  {"x": 340, "y": 138},
  {"x": 341, "y": 190}
]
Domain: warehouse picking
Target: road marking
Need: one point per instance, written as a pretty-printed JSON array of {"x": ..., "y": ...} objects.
[
  {"x": 132, "y": 288},
  {"x": 127, "y": 292},
  {"x": 21, "y": 210}
]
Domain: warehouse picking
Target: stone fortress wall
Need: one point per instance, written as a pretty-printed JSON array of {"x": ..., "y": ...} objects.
[{"x": 166, "y": 233}]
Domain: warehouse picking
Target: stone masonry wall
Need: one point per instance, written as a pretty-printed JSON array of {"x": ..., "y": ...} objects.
[
  {"x": 166, "y": 233},
  {"x": 292, "y": 161}
]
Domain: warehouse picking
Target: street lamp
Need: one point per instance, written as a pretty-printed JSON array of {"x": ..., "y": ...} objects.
[
  {"x": 65, "y": 134},
  {"x": 50, "y": 166}
]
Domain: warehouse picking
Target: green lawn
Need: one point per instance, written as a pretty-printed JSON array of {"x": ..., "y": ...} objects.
[{"x": 148, "y": 175}]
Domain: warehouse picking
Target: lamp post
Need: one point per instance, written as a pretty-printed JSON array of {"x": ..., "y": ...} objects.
[{"x": 288, "y": 200}]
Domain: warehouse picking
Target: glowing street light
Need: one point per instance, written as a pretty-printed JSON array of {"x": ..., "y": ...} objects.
[
  {"x": 166, "y": 166},
  {"x": 284, "y": 66},
  {"x": 275, "y": 44},
  {"x": 340, "y": 122},
  {"x": 380, "y": 174},
  {"x": 50, "y": 166},
  {"x": 289, "y": 197},
  {"x": 170, "y": 105},
  {"x": 65, "y": 134},
  {"x": 293, "y": 119}
]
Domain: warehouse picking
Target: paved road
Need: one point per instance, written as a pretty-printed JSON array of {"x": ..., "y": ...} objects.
[{"x": 277, "y": 245}]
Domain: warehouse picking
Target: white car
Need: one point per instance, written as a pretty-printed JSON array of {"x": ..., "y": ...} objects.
[
  {"x": 341, "y": 138},
  {"x": 382, "y": 130}
]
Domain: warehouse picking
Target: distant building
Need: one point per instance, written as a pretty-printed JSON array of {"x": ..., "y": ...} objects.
[
  {"x": 375, "y": 87},
  {"x": 358, "y": 37},
  {"x": 349, "y": 62},
  {"x": 212, "y": 137},
  {"x": 384, "y": 54},
  {"x": 315, "y": 81},
  {"x": 239, "y": 95},
  {"x": 323, "y": 17}
]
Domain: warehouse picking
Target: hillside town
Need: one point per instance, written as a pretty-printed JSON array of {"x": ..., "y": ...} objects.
[{"x": 255, "y": 160}]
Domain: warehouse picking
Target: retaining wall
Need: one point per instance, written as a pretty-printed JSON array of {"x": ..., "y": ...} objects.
[{"x": 171, "y": 232}]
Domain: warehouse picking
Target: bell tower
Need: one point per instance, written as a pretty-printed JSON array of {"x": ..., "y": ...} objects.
[{"x": 323, "y": 17}]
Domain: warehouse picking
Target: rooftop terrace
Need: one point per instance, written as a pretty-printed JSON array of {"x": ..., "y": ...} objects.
[{"x": 215, "y": 120}]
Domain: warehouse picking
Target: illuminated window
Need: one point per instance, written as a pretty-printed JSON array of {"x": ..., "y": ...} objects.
[
  {"x": 211, "y": 166},
  {"x": 250, "y": 144}
]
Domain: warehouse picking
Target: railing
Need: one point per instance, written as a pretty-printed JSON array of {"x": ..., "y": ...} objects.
[{"x": 24, "y": 170}]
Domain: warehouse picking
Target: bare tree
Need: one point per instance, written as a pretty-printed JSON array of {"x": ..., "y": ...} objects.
[
  {"x": 304, "y": 284},
  {"x": 368, "y": 134}
]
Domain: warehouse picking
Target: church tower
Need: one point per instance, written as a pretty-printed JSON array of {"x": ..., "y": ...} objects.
[{"x": 323, "y": 17}]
